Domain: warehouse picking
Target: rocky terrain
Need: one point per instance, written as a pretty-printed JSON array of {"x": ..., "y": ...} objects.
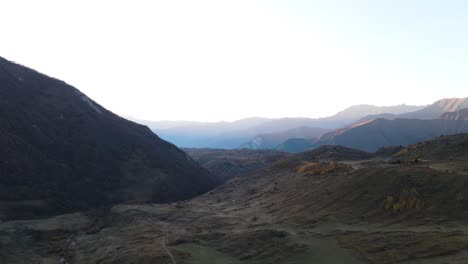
[
  {"x": 61, "y": 152},
  {"x": 79, "y": 184},
  {"x": 334, "y": 205}
]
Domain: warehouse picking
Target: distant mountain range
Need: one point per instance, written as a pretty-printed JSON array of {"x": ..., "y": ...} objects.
[
  {"x": 364, "y": 127},
  {"x": 432, "y": 111},
  {"x": 379, "y": 133},
  {"x": 61, "y": 151},
  {"x": 373, "y": 132},
  {"x": 245, "y": 132}
]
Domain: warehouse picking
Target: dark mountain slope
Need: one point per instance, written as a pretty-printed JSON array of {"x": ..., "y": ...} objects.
[
  {"x": 444, "y": 148},
  {"x": 334, "y": 153},
  {"x": 62, "y": 151}
]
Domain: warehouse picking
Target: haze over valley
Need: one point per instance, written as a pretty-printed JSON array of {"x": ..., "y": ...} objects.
[{"x": 358, "y": 126}]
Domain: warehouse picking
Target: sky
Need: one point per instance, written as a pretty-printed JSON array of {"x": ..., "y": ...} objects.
[{"x": 227, "y": 60}]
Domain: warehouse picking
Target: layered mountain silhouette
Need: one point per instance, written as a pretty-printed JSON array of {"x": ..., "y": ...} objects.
[
  {"x": 379, "y": 133},
  {"x": 272, "y": 140},
  {"x": 61, "y": 151},
  {"x": 375, "y": 131},
  {"x": 230, "y": 135},
  {"x": 438, "y": 108},
  {"x": 432, "y": 111}
]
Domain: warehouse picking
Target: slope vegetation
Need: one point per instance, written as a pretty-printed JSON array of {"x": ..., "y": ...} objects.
[
  {"x": 334, "y": 205},
  {"x": 61, "y": 151}
]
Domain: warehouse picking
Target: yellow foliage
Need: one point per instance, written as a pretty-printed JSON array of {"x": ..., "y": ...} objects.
[
  {"x": 389, "y": 202},
  {"x": 306, "y": 167},
  {"x": 409, "y": 199}
]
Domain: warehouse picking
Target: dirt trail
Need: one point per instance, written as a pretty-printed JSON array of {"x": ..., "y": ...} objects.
[{"x": 163, "y": 243}]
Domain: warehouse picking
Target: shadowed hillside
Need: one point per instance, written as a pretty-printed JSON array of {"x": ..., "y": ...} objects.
[
  {"x": 443, "y": 148},
  {"x": 330, "y": 205},
  {"x": 61, "y": 151}
]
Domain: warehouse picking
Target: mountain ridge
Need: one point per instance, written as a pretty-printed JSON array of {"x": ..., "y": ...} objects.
[
  {"x": 231, "y": 135},
  {"x": 371, "y": 135},
  {"x": 430, "y": 113},
  {"x": 61, "y": 151}
]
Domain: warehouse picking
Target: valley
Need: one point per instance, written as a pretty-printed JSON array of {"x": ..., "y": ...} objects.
[
  {"x": 335, "y": 205},
  {"x": 79, "y": 184},
  {"x": 234, "y": 132}
]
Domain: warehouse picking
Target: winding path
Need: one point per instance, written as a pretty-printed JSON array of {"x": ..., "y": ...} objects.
[{"x": 163, "y": 243}]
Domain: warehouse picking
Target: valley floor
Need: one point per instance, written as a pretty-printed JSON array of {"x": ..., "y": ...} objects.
[
  {"x": 299, "y": 210},
  {"x": 222, "y": 232}
]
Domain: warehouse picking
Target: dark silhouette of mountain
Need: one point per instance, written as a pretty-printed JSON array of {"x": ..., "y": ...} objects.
[
  {"x": 335, "y": 153},
  {"x": 61, "y": 151},
  {"x": 444, "y": 148},
  {"x": 231, "y": 135},
  {"x": 272, "y": 140}
]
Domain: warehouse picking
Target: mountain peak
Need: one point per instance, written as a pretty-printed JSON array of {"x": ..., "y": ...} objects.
[{"x": 439, "y": 107}]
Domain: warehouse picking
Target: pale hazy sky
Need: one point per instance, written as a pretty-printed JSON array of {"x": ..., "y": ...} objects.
[{"x": 225, "y": 60}]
